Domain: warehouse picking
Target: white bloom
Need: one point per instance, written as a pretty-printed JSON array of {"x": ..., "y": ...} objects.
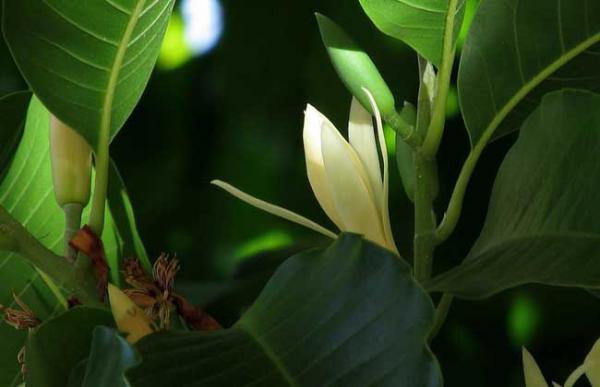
[
  {"x": 533, "y": 374},
  {"x": 589, "y": 368},
  {"x": 346, "y": 176}
]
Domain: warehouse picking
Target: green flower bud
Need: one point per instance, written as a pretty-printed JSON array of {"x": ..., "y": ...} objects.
[
  {"x": 71, "y": 159},
  {"x": 357, "y": 71}
]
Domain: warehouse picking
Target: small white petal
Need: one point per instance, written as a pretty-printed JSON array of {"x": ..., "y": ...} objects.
[
  {"x": 533, "y": 374},
  {"x": 315, "y": 169},
  {"x": 273, "y": 209},
  {"x": 361, "y": 136},
  {"x": 385, "y": 212},
  {"x": 429, "y": 80},
  {"x": 349, "y": 187},
  {"x": 593, "y": 372}
]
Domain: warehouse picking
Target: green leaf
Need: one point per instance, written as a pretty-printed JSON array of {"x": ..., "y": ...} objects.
[
  {"x": 542, "y": 224},
  {"x": 418, "y": 23},
  {"x": 516, "y": 51},
  {"x": 350, "y": 315},
  {"x": 110, "y": 356},
  {"x": 59, "y": 344},
  {"x": 89, "y": 62},
  {"x": 13, "y": 110},
  {"x": 124, "y": 219},
  {"x": 27, "y": 194}
]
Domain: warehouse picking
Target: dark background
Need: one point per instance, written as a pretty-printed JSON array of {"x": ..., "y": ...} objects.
[{"x": 236, "y": 113}]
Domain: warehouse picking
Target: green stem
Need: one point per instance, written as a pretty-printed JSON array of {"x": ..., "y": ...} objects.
[
  {"x": 438, "y": 118},
  {"x": 401, "y": 127},
  {"x": 455, "y": 205},
  {"x": 424, "y": 238},
  {"x": 72, "y": 213},
  {"x": 441, "y": 312},
  {"x": 450, "y": 220},
  {"x": 77, "y": 282},
  {"x": 96, "y": 221}
]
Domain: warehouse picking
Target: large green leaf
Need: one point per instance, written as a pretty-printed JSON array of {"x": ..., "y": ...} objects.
[
  {"x": 418, "y": 23},
  {"x": 110, "y": 356},
  {"x": 88, "y": 61},
  {"x": 27, "y": 193},
  {"x": 13, "y": 110},
  {"x": 350, "y": 315},
  {"x": 124, "y": 220},
  {"x": 59, "y": 344},
  {"x": 543, "y": 224},
  {"x": 516, "y": 51}
]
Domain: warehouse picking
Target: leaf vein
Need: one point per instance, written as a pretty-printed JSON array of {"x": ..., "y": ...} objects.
[
  {"x": 118, "y": 7},
  {"x": 93, "y": 34},
  {"x": 69, "y": 52}
]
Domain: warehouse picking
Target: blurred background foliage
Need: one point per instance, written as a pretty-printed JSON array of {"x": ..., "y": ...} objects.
[{"x": 227, "y": 100}]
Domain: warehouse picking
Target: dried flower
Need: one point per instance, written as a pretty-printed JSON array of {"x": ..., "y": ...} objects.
[
  {"x": 19, "y": 319},
  {"x": 157, "y": 297},
  {"x": 87, "y": 242}
]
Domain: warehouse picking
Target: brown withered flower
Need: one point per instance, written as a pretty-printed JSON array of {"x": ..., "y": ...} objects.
[
  {"x": 156, "y": 295},
  {"x": 22, "y": 318}
]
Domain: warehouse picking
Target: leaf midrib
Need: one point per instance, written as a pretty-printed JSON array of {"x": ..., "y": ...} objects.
[
  {"x": 527, "y": 87},
  {"x": 115, "y": 71},
  {"x": 270, "y": 354},
  {"x": 490, "y": 247}
]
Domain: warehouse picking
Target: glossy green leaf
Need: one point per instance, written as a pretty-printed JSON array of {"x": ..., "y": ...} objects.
[
  {"x": 131, "y": 244},
  {"x": 27, "y": 194},
  {"x": 518, "y": 50},
  {"x": 13, "y": 110},
  {"x": 59, "y": 344},
  {"x": 89, "y": 62},
  {"x": 350, "y": 315},
  {"x": 418, "y": 23},
  {"x": 542, "y": 224},
  {"x": 110, "y": 356}
]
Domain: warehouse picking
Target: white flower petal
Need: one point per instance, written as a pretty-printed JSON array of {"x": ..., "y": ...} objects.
[
  {"x": 385, "y": 211},
  {"x": 533, "y": 374},
  {"x": 361, "y": 136},
  {"x": 593, "y": 373},
  {"x": 313, "y": 121},
  {"x": 349, "y": 187},
  {"x": 273, "y": 209}
]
